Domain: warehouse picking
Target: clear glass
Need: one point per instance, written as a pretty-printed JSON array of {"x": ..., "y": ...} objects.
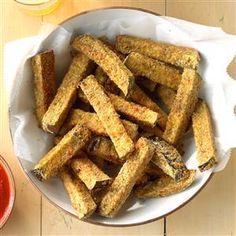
[
  {"x": 38, "y": 7},
  {"x": 8, "y": 211}
]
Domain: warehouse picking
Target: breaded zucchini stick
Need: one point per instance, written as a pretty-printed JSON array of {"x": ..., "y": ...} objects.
[
  {"x": 153, "y": 170},
  {"x": 167, "y": 95},
  {"x": 154, "y": 70},
  {"x": 204, "y": 136},
  {"x": 79, "y": 195},
  {"x": 165, "y": 186},
  {"x": 126, "y": 179},
  {"x": 183, "y": 106},
  {"x": 66, "y": 94},
  {"x": 44, "y": 81},
  {"x": 156, "y": 131},
  {"x": 103, "y": 147},
  {"x": 133, "y": 111},
  {"x": 92, "y": 121},
  {"x": 104, "y": 80},
  {"x": 88, "y": 172},
  {"x": 146, "y": 83},
  {"x": 167, "y": 158},
  {"x": 98, "y": 161},
  {"x": 176, "y": 55},
  {"x": 69, "y": 145},
  {"x": 138, "y": 96},
  {"x": 107, "y": 115},
  {"x": 143, "y": 179},
  {"x": 97, "y": 51}
]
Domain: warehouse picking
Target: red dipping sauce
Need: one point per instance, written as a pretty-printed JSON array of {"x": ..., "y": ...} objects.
[
  {"x": 7, "y": 192},
  {"x": 4, "y": 191}
]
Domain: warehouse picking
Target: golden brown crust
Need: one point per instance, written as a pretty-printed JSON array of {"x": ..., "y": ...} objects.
[
  {"x": 88, "y": 172},
  {"x": 104, "y": 80},
  {"x": 79, "y": 195},
  {"x": 44, "y": 81},
  {"x": 107, "y": 60},
  {"x": 165, "y": 186},
  {"x": 154, "y": 70},
  {"x": 183, "y": 106},
  {"x": 66, "y": 94},
  {"x": 138, "y": 96},
  {"x": 127, "y": 177},
  {"x": 167, "y": 158},
  {"x": 107, "y": 115},
  {"x": 92, "y": 122},
  {"x": 103, "y": 147},
  {"x": 176, "y": 55},
  {"x": 69, "y": 145},
  {"x": 133, "y": 111},
  {"x": 167, "y": 95},
  {"x": 153, "y": 131},
  {"x": 204, "y": 136}
]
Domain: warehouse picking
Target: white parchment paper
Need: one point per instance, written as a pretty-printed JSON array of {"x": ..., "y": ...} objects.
[{"x": 219, "y": 90}]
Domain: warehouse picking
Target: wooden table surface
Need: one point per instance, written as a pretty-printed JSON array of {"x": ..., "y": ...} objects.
[{"x": 212, "y": 212}]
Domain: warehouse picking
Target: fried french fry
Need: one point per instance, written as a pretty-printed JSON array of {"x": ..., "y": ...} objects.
[
  {"x": 154, "y": 70},
  {"x": 88, "y": 172},
  {"x": 44, "y": 82},
  {"x": 126, "y": 179},
  {"x": 167, "y": 158},
  {"x": 176, "y": 55},
  {"x": 133, "y": 111},
  {"x": 70, "y": 144},
  {"x": 146, "y": 83},
  {"x": 204, "y": 136},
  {"x": 103, "y": 147},
  {"x": 107, "y": 60},
  {"x": 167, "y": 95},
  {"x": 107, "y": 115},
  {"x": 66, "y": 94},
  {"x": 183, "y": 106},
  {"x": 92, "y": 121},
  {"x": 79, "y": 195},
  {"x": 165, "y": 186},
  {"x": 154, "y": 131},
  {"x": 138, "y": 96}
]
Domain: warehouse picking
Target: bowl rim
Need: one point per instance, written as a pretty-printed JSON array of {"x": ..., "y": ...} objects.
[
  {"x": 59, "y": 207},
  {"x": 12, "y": 191}
]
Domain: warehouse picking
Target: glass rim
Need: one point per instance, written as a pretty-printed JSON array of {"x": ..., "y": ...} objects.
[
  {"x": 32, "y": 4},
  {"x": 11, "y": 179}
]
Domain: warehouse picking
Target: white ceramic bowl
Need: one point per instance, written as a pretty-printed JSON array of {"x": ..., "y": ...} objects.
[{"x": 134, "y": 211}]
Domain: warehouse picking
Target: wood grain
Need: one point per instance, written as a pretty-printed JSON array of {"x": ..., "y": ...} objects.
[
  {"x": 64, "y": 224},
  {"x": 73, "y": 7},
  {"x": 213, "y": 211}
]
